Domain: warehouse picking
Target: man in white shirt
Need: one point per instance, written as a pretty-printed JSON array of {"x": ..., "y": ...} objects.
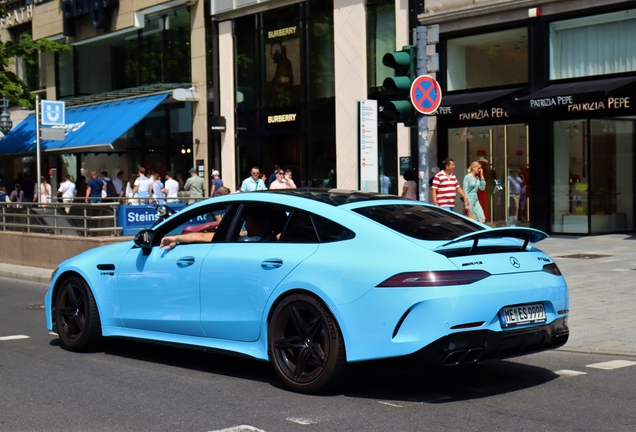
[
  {"x": 171, "y": 189},
  {"x": 67, "y": 190},
  {"x": 143, "y": 186}
]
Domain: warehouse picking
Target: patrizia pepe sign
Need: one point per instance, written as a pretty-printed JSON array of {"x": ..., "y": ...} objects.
[
  {"x": 480, "y": 114},
  {"x": 568, "y": 102}
]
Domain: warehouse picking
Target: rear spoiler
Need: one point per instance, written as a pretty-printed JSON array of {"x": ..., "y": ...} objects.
[{"x": 528, "y": 235}]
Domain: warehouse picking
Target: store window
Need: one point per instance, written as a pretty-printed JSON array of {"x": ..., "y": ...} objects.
[
  {"x": 285, "y": 92},
  {"x": 158, "y": 53},
  {"x": 593, "y": 190},
  {"x": 594, "y": 45},
  {"x": 502, "y": 151},
  {"x": 487, "y": 60}
]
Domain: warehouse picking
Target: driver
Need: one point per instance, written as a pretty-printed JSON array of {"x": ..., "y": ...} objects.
[{"x": 257, "y": 229}]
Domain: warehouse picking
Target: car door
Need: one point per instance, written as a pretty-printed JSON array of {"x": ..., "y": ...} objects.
[
  {"x": 238, "y": 277},
  {"x": 159, "y": 289}
]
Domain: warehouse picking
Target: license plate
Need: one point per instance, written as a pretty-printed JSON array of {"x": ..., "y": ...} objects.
[{"x": 518, "y": 315}]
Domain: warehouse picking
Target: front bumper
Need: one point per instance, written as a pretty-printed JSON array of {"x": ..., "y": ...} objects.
[{"x": 472, "y": 347}]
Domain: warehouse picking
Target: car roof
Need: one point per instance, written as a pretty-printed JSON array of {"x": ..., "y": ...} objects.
[{"x": 334, "y": 197}]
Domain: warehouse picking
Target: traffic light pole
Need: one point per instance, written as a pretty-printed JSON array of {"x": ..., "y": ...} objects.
[{"x": 422, "y": 119}]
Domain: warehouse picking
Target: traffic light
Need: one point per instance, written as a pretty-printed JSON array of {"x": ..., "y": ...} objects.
[{"x": 400, "y": 109}]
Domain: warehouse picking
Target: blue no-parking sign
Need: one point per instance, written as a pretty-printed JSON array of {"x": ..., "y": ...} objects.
[
  {"x": 426, "y": 94},
  {"x": 53, "y": 113}
]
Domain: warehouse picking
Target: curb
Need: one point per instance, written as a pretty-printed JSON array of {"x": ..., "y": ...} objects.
[{"x": 32, "y": 277}]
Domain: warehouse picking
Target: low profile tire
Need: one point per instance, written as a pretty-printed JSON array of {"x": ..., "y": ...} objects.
[
  {"x": 76, "y": 316},
  {"x": 305, "y": 345}
]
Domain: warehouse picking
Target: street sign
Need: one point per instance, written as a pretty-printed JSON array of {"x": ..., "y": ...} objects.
[
  {"x": 53, "y": 113},
  {"x": 51, "y": 134},
  {"x": 426, "y": 95}
]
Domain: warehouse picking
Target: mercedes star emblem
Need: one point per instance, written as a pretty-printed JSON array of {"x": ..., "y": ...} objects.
[{"x": 515, "y": 262}]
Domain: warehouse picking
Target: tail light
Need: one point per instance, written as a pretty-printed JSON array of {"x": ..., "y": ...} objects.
[
  {"x": 553, "y": 269},
  {"x": 434, "y": 278}
]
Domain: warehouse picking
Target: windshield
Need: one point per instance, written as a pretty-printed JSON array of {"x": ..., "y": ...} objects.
[{"x": 419, "y": 221}]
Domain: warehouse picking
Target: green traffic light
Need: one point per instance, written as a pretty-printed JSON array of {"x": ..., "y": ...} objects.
[
  {"x": 397, "y": 59},
  {"x": 397, "y": 83},
  {"x": 400, "y": 109}
]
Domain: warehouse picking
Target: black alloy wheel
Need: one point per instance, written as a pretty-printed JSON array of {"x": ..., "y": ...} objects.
[
  {"x": 305, "y": 344},
  {"x": 76, "y": 316}
]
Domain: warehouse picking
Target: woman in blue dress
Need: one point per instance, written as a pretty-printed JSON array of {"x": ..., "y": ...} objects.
[{"x": 473, "y": 181}]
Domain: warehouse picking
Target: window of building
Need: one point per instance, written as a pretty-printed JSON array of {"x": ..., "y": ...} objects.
[
  {"x": 594, "y": 45},
  {"x": 487, "y": 60},
  {"x": 593, "y": 190},
  {"x": 380, "y": 38},
  {"x": 27, "y": 68},
  {"x": 158, "y": 53}
]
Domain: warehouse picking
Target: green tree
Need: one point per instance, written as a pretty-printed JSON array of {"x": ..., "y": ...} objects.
[{"x": 11, "y": 86}]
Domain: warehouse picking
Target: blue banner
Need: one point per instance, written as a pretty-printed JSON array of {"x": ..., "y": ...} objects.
[{"x": 135, "y": 218}]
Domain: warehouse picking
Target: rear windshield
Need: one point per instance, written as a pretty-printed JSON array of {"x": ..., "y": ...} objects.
[{"x": 420, "y": 222}]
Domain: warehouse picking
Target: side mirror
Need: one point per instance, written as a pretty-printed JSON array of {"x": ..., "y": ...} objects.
[{"x": 143, "y": 239}]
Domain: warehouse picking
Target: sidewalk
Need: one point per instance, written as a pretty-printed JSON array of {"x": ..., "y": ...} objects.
[{"x": 602, "y": 290}]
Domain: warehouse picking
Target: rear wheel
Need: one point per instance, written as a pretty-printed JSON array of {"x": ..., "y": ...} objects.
[
  {"x": 76, "y": 316},
  {"x": 305, "y": 344}
]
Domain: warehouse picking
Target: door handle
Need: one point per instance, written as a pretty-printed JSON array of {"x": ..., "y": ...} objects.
[
  {"x": 270, "y": 264},
  {"x": 185, "y": 262}
]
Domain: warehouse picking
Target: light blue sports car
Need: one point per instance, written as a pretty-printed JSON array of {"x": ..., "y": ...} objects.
[{"x": 311, "y": 280}]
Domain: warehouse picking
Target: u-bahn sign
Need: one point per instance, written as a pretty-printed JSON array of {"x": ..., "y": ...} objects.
[{"x": 426, "y": 95}]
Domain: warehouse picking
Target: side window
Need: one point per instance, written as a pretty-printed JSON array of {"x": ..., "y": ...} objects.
[
  {"x": 300, "y": 229},
  {"x": 329, "y": 231},
  {"x": 259, "y": 223},
  {"x": 204, "y": 220}
]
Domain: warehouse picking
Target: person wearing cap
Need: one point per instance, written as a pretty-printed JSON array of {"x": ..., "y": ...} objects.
[
  {"x": 195, "y": 185},
  {"x": 217, "y": 183}
]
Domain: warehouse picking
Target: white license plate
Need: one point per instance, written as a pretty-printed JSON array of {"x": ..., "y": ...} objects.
[{"x": 526, "y": 314}]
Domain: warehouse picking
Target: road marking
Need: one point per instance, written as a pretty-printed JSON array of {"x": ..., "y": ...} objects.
[
  {"x": 239, "y": 428},
  {"x": 569, "y": 373},
  {"x": 15, "y": 337},
  {"x": 614, "y": 364},
  {"x": 300, "y": 421},
  {"x": 390, "y": 404}
]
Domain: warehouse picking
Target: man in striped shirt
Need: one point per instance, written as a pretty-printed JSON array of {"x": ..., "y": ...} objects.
[{"x": 445, "y": 187}]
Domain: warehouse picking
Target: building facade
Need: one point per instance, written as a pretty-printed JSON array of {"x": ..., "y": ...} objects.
[
  {"x": 133, "y": 81},
  {"x": 245, "y": 83},
  {"x": 542, "y": 92}
]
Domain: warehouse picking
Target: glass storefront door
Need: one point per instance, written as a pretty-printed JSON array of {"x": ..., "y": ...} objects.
[
  {"x": 503, "y": 153},
  {"x": 593, "y": 190}
]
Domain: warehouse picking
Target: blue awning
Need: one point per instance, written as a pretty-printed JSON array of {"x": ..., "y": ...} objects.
[{"x": 87, "y": 127}]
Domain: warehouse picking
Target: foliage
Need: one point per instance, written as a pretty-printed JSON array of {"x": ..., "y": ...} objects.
[{"x": 11, "y": 86}]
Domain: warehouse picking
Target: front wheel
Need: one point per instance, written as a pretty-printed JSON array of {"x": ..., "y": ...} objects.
[
  {"x": 305, "y": 344},
  {"x": 76, "y": 316}
]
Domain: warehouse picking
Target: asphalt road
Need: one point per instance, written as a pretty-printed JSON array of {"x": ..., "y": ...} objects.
[{"x": 130, "y": 386}]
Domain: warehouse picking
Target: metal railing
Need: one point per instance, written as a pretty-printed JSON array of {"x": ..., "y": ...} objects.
[
  {"x": 58, "y": 218},
  {"x": 53, "y": 218}
]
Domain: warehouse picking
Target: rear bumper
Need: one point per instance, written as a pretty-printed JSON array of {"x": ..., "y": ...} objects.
[{"x": 472, "y": 347}]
